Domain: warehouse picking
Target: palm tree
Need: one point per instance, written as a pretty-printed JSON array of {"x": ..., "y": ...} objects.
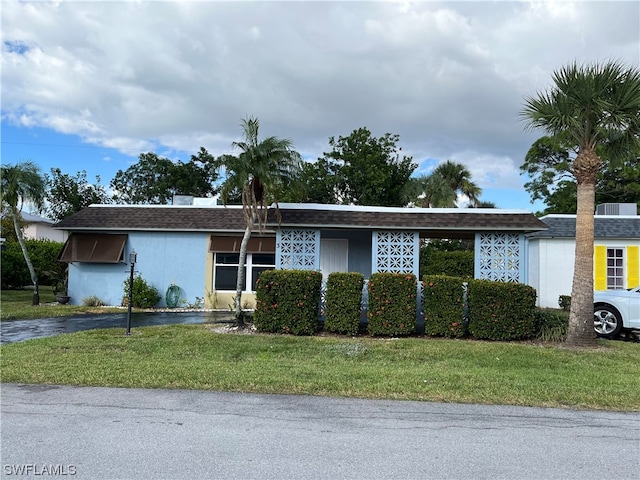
[
  {"x": 458, "y": 177},
  {"x": 596, "y": 105},
  {"x": 260, "y": 173},
  {"x": 440, "y": 189},
  {"x": 22, "y": 183}
]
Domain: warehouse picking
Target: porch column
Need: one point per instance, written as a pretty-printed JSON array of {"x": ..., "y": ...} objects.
[{"x": 500, "y": 257}]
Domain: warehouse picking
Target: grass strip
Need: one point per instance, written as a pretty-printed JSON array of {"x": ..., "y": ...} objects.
[{"x": 461, "y": 371}]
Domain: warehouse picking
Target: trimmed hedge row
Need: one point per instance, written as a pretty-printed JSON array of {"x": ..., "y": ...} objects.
[
  {"x": 44, "y": 256},
  {"x": 287, "y": 302}
]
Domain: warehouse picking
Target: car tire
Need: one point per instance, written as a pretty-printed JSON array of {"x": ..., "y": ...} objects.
[{"x": 607, "y": 321}]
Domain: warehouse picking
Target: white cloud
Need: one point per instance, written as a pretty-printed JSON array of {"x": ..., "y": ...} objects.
[{"x": 448, "y": 77}]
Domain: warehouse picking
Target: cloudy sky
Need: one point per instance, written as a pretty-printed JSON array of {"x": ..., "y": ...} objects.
[{"x": 91, "y": 85}]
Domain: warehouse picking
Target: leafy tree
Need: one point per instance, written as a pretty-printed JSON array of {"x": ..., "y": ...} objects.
[
  {"x": 68, "y": 194},
  {"x": 155, "y": 180},
  {"x": 548, "y": 162},
  {"x": 593, "y": 106},
  {"x": 359, "y": 170},
  {"x": 260, "y": 172},
  {"x": 22, "y": 183}
]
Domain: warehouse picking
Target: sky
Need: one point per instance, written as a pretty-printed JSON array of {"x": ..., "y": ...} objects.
[{"x": 92, "y": 85}]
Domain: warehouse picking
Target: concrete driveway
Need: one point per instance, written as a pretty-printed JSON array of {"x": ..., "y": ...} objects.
[{"x": 105, "y": 433}]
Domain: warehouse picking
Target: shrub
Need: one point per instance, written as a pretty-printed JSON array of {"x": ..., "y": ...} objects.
[
  {"x": 44, "y": 256},
  {"x": 444, "y": 306},
  {"x": 454, "y": 264},
  {"x": 343, "y": 300},
  {"x": 501, "y": 311},
  {"x": 552, "y": 325},
  {"x": 565, "y": 302},
  {"x": 287, "y": 301},
  {"x": 144, "y": 295},
  {"x": 392, "y": 303},
  {"x": 93, "y": 301}
]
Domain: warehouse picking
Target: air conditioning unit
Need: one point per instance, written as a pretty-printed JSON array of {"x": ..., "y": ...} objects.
[{"x": 617, "y": 209}]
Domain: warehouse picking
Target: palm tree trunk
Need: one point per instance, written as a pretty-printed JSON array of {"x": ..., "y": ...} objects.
[
  {"x": 241, "y": 276},
  {"x": 32, "y": 271},
  {"x": 581, "y": 331}
]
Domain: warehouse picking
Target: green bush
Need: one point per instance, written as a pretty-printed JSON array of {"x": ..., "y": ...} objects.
[
  {"x": 144, "y": 295},
  {"x": 564, "y": 301},
  {"x": 392, "y": 303},
  {"x": 287, "y": 301},
  {"x": 443, "y": 304},
  {"x": 453, "y": 264},
  {"x": 44, "y": 256},
  {"x": 343, "y": 301},
  {"x": 501, "y": 311},
  {"x": 552, "y": 325},
  {"x": 93, "y": 301}
]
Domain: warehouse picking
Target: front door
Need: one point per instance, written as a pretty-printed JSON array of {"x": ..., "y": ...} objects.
[{"x": 333, "y": 256}]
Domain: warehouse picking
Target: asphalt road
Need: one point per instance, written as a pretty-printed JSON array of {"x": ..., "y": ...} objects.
[{"x": 104, "y": 433}]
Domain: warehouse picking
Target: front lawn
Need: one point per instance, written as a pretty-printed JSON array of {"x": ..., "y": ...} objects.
[{"x": 415, "y": 368}]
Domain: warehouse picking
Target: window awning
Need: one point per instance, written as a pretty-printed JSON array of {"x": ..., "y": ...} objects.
[
  {"x": 232, "y": 244},
  {"x": 94, "y": 248}
]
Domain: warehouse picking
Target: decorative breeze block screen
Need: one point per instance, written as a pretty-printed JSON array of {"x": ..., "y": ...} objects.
[
  {"x": 499, "y": 257},
  {"x": 396, "y": 252},
  {"x": 299, "y": 249}
]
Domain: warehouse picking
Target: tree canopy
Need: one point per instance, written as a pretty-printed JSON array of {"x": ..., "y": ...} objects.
[
  {"x": 360, "y": 169},
  {"x": 68, "y": 194},
  {"x": 155, "y": 180},
  {"x": 548, "y": 165}
]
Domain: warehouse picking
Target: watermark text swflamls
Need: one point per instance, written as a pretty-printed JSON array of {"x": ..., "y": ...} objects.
[{"x": 19, "y": 469}]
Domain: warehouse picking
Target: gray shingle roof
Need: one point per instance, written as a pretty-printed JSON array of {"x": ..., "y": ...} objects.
[
  {"x": 564, "y": 226},
  {"x": 230, "y": 219}
]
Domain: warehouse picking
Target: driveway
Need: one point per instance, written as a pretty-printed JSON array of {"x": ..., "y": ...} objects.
[
  {"x": 19, "y": 330},
  {"x": 104, "y": 433}
]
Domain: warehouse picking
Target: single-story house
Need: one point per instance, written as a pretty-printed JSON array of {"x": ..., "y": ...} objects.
[
  {"x": 196, "y": 246},
  {"x": 41, "y": 228},
  {"x": 551, "y": 255}
]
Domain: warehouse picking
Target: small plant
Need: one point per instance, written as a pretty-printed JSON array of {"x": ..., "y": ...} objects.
[
  {"x": 144, "y": 295},
  {"x": 92, "y": 301},
  {"x": 565, "y": 302},
  {"x": 197, "y": 303}
]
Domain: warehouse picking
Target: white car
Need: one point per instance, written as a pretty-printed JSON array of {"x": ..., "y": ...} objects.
[{"x": 616, "y": 310}]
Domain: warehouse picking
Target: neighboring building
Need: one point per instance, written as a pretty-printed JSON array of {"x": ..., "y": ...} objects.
[
  {"x": 40, "y": 228},
  {"x": 196, "y": 246},
  {"x": 616, "y": 247}
]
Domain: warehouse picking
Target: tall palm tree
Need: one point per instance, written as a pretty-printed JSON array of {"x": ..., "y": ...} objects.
[
  {"x": 22, "y": 183},
  {"x": 260, "y": 172},
  {"x": 593, "y": 105}
]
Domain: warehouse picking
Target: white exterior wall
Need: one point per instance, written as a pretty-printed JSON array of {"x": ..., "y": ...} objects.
[
  {"x": 43, "y": 231},
  {"x": 551, "y": 269},
  {"x": 551, "y": 264},
  {"x": 163, "y": 258}
]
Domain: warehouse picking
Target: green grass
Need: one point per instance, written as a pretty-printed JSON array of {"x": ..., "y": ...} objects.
[
  {"x": 463, "y": 371},
  {"x": 16, "y": 304}
]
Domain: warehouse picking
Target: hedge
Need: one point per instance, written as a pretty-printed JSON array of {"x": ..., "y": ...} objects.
[
  {"x": 287, "y": 301},
  {"x": 44, "y": 256},
  {"x": 392, "y": 303},
  {"x": 343, "y": 301},
  {"x": 444, "y": 306}
]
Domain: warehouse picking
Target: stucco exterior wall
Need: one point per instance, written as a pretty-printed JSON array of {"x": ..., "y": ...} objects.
[{"x": 163, "y": 259}]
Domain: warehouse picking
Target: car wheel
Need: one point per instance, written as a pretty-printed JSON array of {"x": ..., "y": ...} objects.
[{"x": 606, "y": 321}]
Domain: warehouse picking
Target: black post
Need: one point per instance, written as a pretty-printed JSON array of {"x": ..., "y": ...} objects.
[{"x": 132, "y": 261}]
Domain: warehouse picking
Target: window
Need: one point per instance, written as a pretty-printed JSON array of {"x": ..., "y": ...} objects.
[
  {"x": 615, "y": 268},
  {"x": 226, "y": 265}
]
